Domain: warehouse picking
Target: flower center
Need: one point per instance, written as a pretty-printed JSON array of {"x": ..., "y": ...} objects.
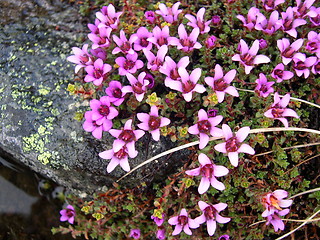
[
  {"x": 278, "y": 73},
  {"x": 144, "y": 42},
  {"x": 299, "y": 65},
  {"x": 264, "y": 88},
  {"x": 69, "y": 213},
  {"x": 275, "y": 202},
  {"x": 277, "y": 112},
  {"x": 288, "y": 24},
  {"x": 288, "y": 53},
  {"x": 210, "y": 212},
  {"x": 232, "y": 144},
  {"x": 188, "y": 86},
  {"x": 174, "y": 74},
  {"x": 97, "y": 73},
  {"x": 84, "y": 58},
  {"x": 127, "y": 136},
  {"x": 183, "y": 220},
  {"x": 137, "y": 88},
  {"x": 154, "y": 122},
  {"x": 121, "y": 153},
  {"x": 204, "y": 126},
  {"x": 220, "y": 85},
  {"x": 125, "y": 47},
  {"x": 117, "y": 93},
  {"x": 187, "y": 42},
  {"x": 207, "y": 170},
  {"x": 128, "y": 64},
  {"x": 104, "y": 110},
  {"x": 313, "y": 46},
  {"x": 247, "y": 59},
  {"x": 162, "y": 41}
]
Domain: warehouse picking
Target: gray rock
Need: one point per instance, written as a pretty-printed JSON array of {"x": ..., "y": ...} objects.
[{"x": 36, "y": 112}]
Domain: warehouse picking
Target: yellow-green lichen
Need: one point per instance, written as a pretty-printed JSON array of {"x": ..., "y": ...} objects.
[
  {"x": 44, "y": 157},
  {"x": 44, "y": 91}
]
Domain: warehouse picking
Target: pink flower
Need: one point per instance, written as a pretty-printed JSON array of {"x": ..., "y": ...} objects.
[
  {"x": 182, "y": 222},
  {"x": 316, "y": 67},
  {"x": 232, "y": 147},
  {"x": 224, "y": 237},
  {"x": 126, "y": 137},
  {"x": 135, "y": 233},
  {"x": 142, "y": 41},
  {"x": 95, "y": 127},
  {"x": 270, "y": 5},
  {"x": 288, "y": 50},
  {"x": 152, "y": 122},
  {"x": 275, "y": 202},
  {"x": 81, "y": 57},
  {"x": 206, "y": 126},
  {"x": 124, "y": 45},
  {"x": 216, "y": 20},
  {"x": 109, "y": 17},
  {"x": 279, "y": 111},
  {"x": 276, "y": 221},
  {"x": 100, "y": 39},
  {"x": 313, "y": 44},
  {"x": 198, "y": 21},
  {"x": 279, "y": 74},
  {"x": 97, "y": 72},
  {"x": 161, "y": 36},
  {"x": 302, "y": 64},
  {"x": 138, "y": 85},
  {"x": 289, "y": 23},
  {"x": 170, "y": 69},
  {"x": 248, "y": 57},
  {"x": 263, "y": 86},
  {"x": 158, "y": 221},
  {"x": 150, "y": 16},
  {"x": 211, "y": 42},
  {"x": 188, "y": 83},
  {"x": 155, "y": 62},
  {"x": 187, "y": 43},
  {"x": 161, "y": 233},
  {"x": 68, "y": 214},
  {"x": 114, "y": 91},
  {"x": 103, "y": 112},
  {"x": 268, "y": 26},
  {"x": 221, "y": 83},
  {"x": 252, "y": 17},
  {"x": 170, "y": 15},
  {"x": 129, "y": 64},
  {"x": 263, "y": 44},
  {"x": 210, "y": 214},
  {"x": 315, "y": 21},
  {"x": 119, "y": 157},
  {"x": 304, "y": 9},
  {"x": 209, "y": 172}
]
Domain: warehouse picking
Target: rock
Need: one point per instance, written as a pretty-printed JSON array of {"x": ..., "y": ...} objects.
[{"x": 37, "y": 113}]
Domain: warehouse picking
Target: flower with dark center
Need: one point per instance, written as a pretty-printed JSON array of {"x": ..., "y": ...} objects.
[{"x": 182, "y": 222}]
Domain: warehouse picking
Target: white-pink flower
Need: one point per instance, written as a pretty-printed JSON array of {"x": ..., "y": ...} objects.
[
  {"x": 170, "y": 69},
  {"x": 169, "y": 14},
  {"x": 187, "y": 42},
  {"x": 138, "y": 85},
  {"x": 275, "y": 201},
  {"x": 288, "y": 50},
  {"x": 198, "y": 21},
  {"x": 123, "y": 44},
  {"x": 182, "y": 222},
  {"x": 109, "y": 17},
  {"x": 233, "y": 144},
  {"x": 208, "y": 171},
  {"x": 156, "y": 61},
  {"x": 152, "y": 122}
]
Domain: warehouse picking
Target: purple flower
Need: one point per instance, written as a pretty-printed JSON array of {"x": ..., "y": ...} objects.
[
  {"x": 316, "y": 67},
  {"x": 288, "y": 50},
  {"x": 135, "y": 233},
  {"x": 119, "y": 157},
  {"x": 155, "y": 62},
  {"x": 182, "y": 222},
  {"x": 210, "y": 214},
  {"x": 302, "y": 64},
  {"x": 97, "y": 72},
  {"x": 109, "y": 17},
  {"x": 114, "y": 91},
  {"x": 209, "y": 172},
  {"x": 103, "y": 112},
  {"x": 158, "y": 221},
  {"x": 221, "y": 83},
  {"x": 276, "y": 221},
  {"x": 211, "y": 42},
  {"x": 188, "y": 83},
  {"x": 263, "y": 44},
  {"x": 68, "y": 214},
  {"x": 161, "y": 36},
  {"x": 138, "y": 85},
  {"x": 161, "y": 233},
  {"x": 315, "y": 21},
  {"x": 270, "y": 5},
  {"x": 248, "y": 57},
  {"x": 216, "y": 20},
  {"x": 198, "y": 21},
  {"x": 275, "y": 202},
  {"x": 142, "y": 41},
  {"x": 206, "y": 126},
  {"x": 81, "y": 57},
  {"x": 170, "y": 15},
  {"x": 150, "y": 16},
  {"x": 170, "y": 68},
  {"x": 279, "y": 74},
  {"x": 268, "y": 26},
  {"x": 187, "y": 43},
  {"x": 124, "y": 45},
  {"x": 279, "y": 111},
  {"x": 126, "y": 137},
  {"x": 232, "y": 146},
  {"x": 152, "y": 122},
  {"x": 263, "y": 86},
  {"x": 95, "y": 127},
  {"x": 129, "y": 64},
  {"x": 252, "y": 17},
  {"x": 100, "y": 39},
  {"x": 313, "y": 44},
  {"x": 304, "y": 9},
  {"x": 212, "y": 112},
  {"x": 224, "y": 237},
  {"x": 99, "y": 53},
  {"x": 289, "y": 23}
]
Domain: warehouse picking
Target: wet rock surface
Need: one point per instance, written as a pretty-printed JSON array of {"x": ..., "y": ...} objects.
[{"x": 36, "y": 112}]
